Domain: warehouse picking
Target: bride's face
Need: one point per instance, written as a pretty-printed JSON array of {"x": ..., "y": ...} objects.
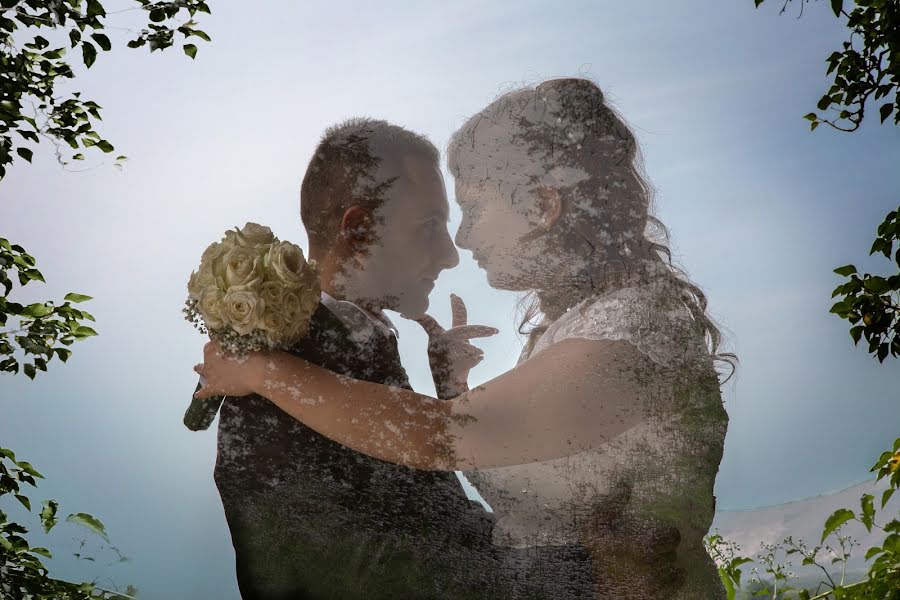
[{"x": 498, "y": 226}]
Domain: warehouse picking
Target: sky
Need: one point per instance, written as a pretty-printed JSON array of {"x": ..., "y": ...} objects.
[{"x": 760, "y": 211}]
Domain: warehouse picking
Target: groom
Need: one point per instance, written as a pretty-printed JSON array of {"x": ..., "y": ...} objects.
[{"x": 310, "y": 518}]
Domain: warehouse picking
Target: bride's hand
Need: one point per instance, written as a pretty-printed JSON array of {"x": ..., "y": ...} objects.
[
  {"x": 224, "y": 375},
  {"x": 450, "y": 354}
]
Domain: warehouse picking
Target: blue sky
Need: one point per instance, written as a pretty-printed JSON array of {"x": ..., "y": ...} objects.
[{"x": 760, "y": 211}]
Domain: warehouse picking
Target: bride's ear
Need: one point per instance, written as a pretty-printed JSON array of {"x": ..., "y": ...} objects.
[{"x": 550, "y": 206}]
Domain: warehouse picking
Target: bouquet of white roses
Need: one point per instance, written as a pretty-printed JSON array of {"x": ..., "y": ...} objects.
[{"x": 251, "y": 291}]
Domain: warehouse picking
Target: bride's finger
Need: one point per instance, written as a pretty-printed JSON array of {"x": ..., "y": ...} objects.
[
  {"x": 198, "y": 368},
  {"x": 458, "y": 310},
  {"x": 467, "y": 332},
  {"x": 431, "y": 327},
  {"x": 466, "y": 352}
]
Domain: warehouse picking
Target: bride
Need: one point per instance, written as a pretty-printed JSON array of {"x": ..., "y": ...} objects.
[{"x": 599, "y": 450}]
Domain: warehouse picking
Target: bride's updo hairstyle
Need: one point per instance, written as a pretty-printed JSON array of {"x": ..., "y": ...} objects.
[{"x": 563, "y": 135}]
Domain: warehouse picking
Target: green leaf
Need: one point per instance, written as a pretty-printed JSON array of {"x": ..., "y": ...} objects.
[
  {"x": 873, "y": 551},
  {"x": 102, "y": 41},
  {"x": 190, "y": 50},
  {"x": 89, "y": 521},
  {"x": 837, "y": 518},
  {"x": 105, "y": 146},
  {"x": 63, "y": 353},
  {"x": 48, "y": 515},
  {"x": 157, "y": 15},
  {"x": 868, "y": 511},
  {"x": 25, "y": 153},
  {"x": 83, "y": 332},
  {"x": 42, "y": 551},
  {"x": 836, "y": 6},
  {"x": 201, "y": 34},
  {"x": 29, "y": 370},
  {"x": 885, "y": 111},
  {"x": 73, "y": 297},
  {"x": 810, "y": 116},
  {"x": 24, "y": 500},
  {"x": 727, "y": 583},
  {"x": 95, "y": 9},
  {"x": 37, "y": 310},
  {"x": 846, "y": 271},
  {"x": 29, "y": 468},
  {"x": 88, "y": 53}
]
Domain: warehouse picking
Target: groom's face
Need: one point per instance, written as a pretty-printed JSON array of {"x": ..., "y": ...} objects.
[{"x": 411, "y": 244}]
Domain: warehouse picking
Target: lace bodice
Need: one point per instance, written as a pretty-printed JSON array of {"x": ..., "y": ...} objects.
[{"x": 664, "y": 467}]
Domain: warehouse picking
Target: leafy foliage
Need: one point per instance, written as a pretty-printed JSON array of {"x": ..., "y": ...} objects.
[
  {"x": 882, "y": 582},
  {"x": 865, "y": 71},
  {"x": 30, "y": 104},
  {"x": 32, "y": 108},
  {"x": 867, "y": 68},
  {"x": 872, "y": 303},
  {"x": 44, "y": 329},
  {"x": 22, "y": 571}
]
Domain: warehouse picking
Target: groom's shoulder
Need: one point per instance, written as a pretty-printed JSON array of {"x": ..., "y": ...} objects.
[{"x": 328, "y": 339}]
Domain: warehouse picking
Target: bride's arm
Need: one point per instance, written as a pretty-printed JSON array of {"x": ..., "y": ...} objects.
[{"x": 569, "y": 397}]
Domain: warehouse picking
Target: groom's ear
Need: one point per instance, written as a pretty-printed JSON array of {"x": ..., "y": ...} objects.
[{"x": 357, "y": 227}]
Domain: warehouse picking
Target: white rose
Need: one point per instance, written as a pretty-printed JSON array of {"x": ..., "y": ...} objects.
[
  {"x": 286, "y": 262},
  {"x": 253, "y": 234},
  {"x": 210, "y": 305},
  {"x": 243, "y": 267},
  {"x": 213, "y": 251},
  {"x": 199, "y": 280},
  {"x": 241, "y": 310},
  {"x": 271, "y": 293},
  {"x": 273, "y": 322},
  {"x": 291, "y": 307},
  {"x": 294, "y": 332}
]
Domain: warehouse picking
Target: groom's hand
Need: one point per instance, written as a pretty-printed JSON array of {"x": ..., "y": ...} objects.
[{"x": 450, "y": 354}]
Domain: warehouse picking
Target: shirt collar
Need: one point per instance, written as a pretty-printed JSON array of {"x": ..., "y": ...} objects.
[{"x": 361, "y": 322}]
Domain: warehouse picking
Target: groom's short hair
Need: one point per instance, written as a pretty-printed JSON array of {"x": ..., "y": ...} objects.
[{"x": 344, "y": 170}]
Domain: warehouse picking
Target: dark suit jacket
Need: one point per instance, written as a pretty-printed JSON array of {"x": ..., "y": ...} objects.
[{"x": 310, "y": 518}]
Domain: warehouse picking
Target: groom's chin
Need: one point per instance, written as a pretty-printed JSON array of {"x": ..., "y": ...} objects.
[{"x": 413, "y": 309}]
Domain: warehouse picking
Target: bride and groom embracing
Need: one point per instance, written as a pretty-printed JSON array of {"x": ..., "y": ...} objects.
[{"x": 598, "y": 452}]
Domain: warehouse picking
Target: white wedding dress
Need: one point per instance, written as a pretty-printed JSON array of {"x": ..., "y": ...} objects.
[{"x": 657, "y": 476}]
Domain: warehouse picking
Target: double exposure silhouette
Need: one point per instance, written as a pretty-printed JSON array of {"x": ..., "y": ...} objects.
[{"x": 598, "y": 452}]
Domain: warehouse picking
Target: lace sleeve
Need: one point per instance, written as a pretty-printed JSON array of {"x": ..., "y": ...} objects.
[{"x": 651, "y": 317}]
